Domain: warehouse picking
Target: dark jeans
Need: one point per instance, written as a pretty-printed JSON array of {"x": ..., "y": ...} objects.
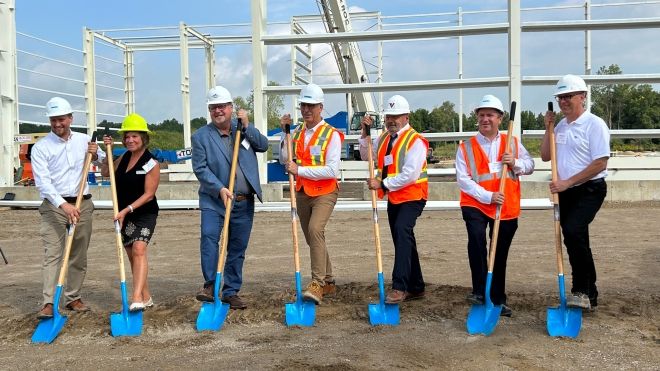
[
  {"x": 578, "y": 207},
  {"x": 407, "y": 273},
  {"x": 240, "y": 225},
  {"x": 476, "y": 223}
]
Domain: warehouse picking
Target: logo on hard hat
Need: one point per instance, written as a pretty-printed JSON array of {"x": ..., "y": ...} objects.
[
  {"x": 562, "y": 87},
  {"x": 391, "y": 104},
  {"x": 307, "y": 96},
  {"x": 215, "y": 95}
]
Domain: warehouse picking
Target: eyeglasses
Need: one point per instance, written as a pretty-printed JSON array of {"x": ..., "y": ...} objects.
[
  {"x": 560, "y": 98},
  {"x": 221, "y": 106}
]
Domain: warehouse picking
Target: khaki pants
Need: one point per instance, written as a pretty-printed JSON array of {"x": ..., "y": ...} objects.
[
  {"x": 53, "y": 236},
  {"x": 314, "y": 213}
]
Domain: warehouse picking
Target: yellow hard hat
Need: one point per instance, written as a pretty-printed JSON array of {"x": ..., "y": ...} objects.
[{"x": 134, "y": 122}]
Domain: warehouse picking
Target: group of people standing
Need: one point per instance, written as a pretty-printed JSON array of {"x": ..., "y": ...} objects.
[{"x": 582, "y": 142}]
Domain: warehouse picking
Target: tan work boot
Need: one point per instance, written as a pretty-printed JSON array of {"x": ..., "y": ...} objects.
[
  {"x": 329, "y": 289},
  {"x": 314, "y": 292}
]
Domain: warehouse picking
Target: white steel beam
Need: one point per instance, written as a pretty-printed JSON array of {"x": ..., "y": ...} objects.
[
  {"x": 129, "y": 82},
  {"x": 593, "y": 24},
  {"x": 89, "y": 68},
  {"x": 259, "y": 77},
  {"x": 185, "y": 84},
  {"x": 8, "y": 93},
  {"x": 515, "y": 74}
]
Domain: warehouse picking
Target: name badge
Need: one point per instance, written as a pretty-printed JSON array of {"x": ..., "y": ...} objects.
[
  {"x": 246, "y": 144},
  {"x": 495, "y": 167},
  {"x": 148, "y": 166},
  {"x": 560, "y": 138},
  {"x": 315, "y": 150},
  {"x": 140, "y": 172},
  {"x": 388, "y": 160}
]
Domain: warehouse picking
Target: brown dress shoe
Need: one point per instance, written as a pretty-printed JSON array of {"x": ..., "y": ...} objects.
[
  {"x": 396, "y": 296},
  {"x": 205, "y": 294},
  {"x": 235, "y": 302},
  {"x": 329, "y": 288},
  {"x": 77, "y": 306},
  {"x": 46, "y": 312}
]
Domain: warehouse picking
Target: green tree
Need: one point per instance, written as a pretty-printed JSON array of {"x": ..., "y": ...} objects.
[
  {"x": 444, "y": 118},
  {"x": 420, "y": 119},
  {"x": 610, "y": 100}
]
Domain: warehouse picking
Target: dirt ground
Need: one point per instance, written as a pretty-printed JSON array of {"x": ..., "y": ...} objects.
[{"x": 624, "y": 333}]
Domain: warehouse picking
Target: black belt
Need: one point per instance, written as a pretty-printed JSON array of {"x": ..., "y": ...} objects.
[
  {"x": 595, "y": 181},
  {"x": 242, "y": 197},
  {"x": 72, "y": 200}
]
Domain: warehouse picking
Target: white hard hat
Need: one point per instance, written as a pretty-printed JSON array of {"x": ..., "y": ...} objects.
[
  {"x": 490, "y": 101},
  {"x": 57, "y": 106},
  {"x": 396, "y": 105},
  {"x": 311, "y": 93},
  {"x": 218, "y": 95},
  {"x": 569, "y": 84}
]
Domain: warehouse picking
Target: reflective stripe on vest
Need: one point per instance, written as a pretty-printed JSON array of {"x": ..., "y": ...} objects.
[
  {"x": 414, "y": 191},
  {"x": 480, "y": 173},
  {"x": 321, "y": 138}
]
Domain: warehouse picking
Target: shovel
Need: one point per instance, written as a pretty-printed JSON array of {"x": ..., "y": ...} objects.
[
  {"x": 561, "y": 320},
  {"x": 48, "y": 329},
  {"x": 298, "y": 313},
  {"x": 124, "y": 323},
  {"x": 482, "y": 318},
  {"x": 379, "y": 313},
  {"x": 212, "y": 315}
]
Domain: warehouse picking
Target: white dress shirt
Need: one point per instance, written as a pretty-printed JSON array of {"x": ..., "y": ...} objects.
[
  {"x": 412, "y": 167},
  {"x": 332, "y": 156},
  {"x": 57, "y": 165},
  {"x": 579, "y": 143},
  {"x": 524, "y": 165}
]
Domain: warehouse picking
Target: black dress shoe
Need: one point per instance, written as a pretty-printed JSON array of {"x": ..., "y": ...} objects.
[
  {"x": 475, "y": 299},
  {"x": 506, "y": 311}
]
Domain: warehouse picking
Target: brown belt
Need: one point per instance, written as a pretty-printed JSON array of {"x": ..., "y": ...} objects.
[
  {"x": 242, "y": 197},
  {"x": 72, "y": 200}
]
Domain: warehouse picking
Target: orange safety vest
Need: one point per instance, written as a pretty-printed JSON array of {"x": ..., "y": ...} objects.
[
  {"x": 419, "y": 190},
  {"x": 319, "y": 141},
  {"x": 476, "y": 161}
]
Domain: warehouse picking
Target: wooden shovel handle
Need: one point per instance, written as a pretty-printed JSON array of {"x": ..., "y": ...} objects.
[
  {"x": 555, "y": 196},
  {"x": 292, "y": 199},
  {"x": 115, "y": 209},
  {"x": 374, "y": 205}
]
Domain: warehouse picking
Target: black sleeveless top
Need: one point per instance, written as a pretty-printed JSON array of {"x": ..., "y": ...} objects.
[{"x": 130, "y": 185}]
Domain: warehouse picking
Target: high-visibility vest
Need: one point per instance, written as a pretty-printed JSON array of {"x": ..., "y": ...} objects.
[
  {"x": 418, "y": 190},
  {"x": 476, "y": 161},
  {"x": 320, "y": 141}
]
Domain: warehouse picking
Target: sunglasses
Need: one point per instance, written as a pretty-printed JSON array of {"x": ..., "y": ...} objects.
[{"x": 560, "y": 98}]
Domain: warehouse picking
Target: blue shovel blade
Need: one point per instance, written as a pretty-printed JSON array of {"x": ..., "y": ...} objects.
[
  {"x": 483, "y": 318},
  {"x": 383, "y": 314},
  {"x": 564, "y": 321},
  {"x": 48, "y": 329},
  {"x": 212, "y": 316},
  {"x": 300, "y": 313},
  {"x": 126, "y": 323}
]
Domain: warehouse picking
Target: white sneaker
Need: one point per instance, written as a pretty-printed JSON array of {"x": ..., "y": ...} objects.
[
  {"x": 136, "y": 306},
  {"x": 149, "y": 303}
]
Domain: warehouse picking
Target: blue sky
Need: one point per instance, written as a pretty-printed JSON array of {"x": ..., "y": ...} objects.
[{"x": 157, "y": 73}]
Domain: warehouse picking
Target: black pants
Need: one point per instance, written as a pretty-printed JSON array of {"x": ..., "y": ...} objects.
[
  {"x": 476, "y": 223},
  {"x": 578, "y": 207},
  {"x": 407, "y": 273}
]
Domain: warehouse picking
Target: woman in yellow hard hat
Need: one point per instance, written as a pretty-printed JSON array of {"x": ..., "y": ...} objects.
[{"x": 137, "y": 174}]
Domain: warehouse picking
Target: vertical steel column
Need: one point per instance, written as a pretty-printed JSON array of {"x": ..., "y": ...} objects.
[
  {"x": 185, "y": 85},
  {"x": 8, "y": 93},
  {"x": 380, "y": 66},
  {"x": 129, "y": 82},
  {"x": 587, "y": 50},
  {"x": 515, "y": 84},
  {"x": 89, "y": 68},
  {"x": 460, "y": 71},
  {"x": 259, "y": 77},
  {"x": 210, "y": 72}
]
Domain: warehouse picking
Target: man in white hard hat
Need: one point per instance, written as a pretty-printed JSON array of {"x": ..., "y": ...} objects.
[
  {"x": 583, "y": 148},
  {"x": 58, "y": 162},
  {"x": 479, "y": 163},
  {"x": 212, "y": 154},
  {"x": 315, "y": 164},
  {"x": 400, "y": 155}
]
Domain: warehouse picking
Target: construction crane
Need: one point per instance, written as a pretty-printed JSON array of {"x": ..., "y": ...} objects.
[{"x": 351, "y": 67}]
